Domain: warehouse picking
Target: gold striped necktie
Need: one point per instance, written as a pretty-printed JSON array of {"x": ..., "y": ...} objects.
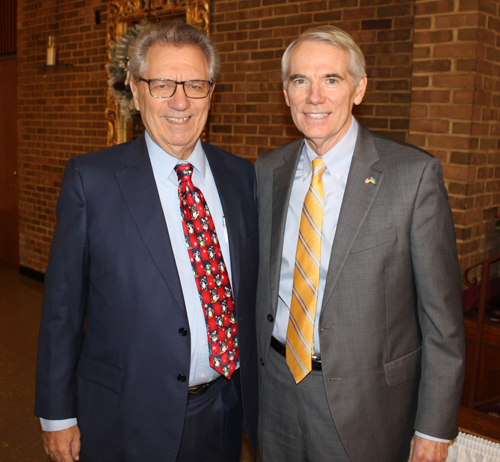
[{"x": 300, "y": 332}]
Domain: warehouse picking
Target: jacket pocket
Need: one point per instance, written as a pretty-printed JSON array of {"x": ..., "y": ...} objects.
[
  {"x": 402, "y": 369},
  {"x": 374, "y": 240},
  {"x": 101, "y": 373}
]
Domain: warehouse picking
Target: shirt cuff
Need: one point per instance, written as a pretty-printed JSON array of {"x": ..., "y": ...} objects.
[
  {"x": 432, "y": 438},
  {"x": 56, "y": 425}
]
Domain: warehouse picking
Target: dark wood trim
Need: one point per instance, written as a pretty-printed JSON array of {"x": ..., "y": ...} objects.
[
  {"x": 32, "y": 274},
  {"x": 9, "y": 56},
  {"x": 479, "y": 424}
]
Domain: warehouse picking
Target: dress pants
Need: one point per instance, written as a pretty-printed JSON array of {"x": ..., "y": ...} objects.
[
  {"x": 213, "y": 426},
  {"x": 295, "y": 423}
]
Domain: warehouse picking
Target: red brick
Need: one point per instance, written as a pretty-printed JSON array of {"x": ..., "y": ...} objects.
[
  {"x": 420, "y": 81},
  {"x": 450, "y": 142},
  {"x": 430, "y": 66},
  {"x": 428, "y": 8},
  {"x": 359, "y": 13},
  {"x": 453, "y": 112},
  {"x": 429, "y": 126},
  {"x": 450, "y": 51},
  {"x": 431, "y": 96},
  {"x": 456, "y": 20},
  {"x": 376, "y": 24},
  {"x": 462, "y": 128},
  {"x": 472, "y": 216},
  {"x": 419, "y": 111},
  {"x": 463, "y": 97},
  {"x": 468, "y": 34},
  {"x": 453, "y": 81}
]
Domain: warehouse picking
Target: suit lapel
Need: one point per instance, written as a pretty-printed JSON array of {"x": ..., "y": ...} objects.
[
  {"x": 283, "y": 176},
  {"x": 138, "y": 187},
  {"x": 358, "y": 198}
]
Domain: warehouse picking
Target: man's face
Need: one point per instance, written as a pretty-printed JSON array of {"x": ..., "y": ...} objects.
[
  {"x": 321, "y": 93},
  {"x": 174, "y": 123}
]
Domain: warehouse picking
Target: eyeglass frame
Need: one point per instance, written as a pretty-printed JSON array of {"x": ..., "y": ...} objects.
[{"x": 210, "y": 83}]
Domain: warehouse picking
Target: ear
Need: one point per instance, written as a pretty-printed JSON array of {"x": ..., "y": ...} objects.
[
  {"x": 360, "y": 90},
  {"x": 210, "y": 96},
  {"x": 135, "y": 94},
  {"x": 287, "y": 100}
]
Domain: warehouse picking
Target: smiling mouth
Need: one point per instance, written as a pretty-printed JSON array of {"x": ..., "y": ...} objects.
[
  {"x": 317, "y": 116},
  {"x": 177, "y": 120}
]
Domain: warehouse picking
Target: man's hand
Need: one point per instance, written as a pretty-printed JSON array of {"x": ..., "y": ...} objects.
[
  {"x": 63, "y": 445},
  {"x": 424, "y": 450}
]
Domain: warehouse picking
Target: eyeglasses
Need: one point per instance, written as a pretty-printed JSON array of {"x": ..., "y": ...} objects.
[{"x": 164, "y": 88}]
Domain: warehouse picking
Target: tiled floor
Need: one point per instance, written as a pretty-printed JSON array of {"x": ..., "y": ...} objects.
[{"x": 20, "y": 302}]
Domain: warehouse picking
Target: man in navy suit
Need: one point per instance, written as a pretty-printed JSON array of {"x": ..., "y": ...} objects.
[{"x": 124, "y": 370}]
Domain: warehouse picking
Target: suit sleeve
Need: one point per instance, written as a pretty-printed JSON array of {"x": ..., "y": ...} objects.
[
  {"x": 438, "y": 286},
  {"x": 64, "y": 304}
]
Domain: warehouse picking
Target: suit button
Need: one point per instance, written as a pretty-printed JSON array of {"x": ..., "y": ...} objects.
[
  {"x": 261, "y": 361},
  {"x": 270, "y": 318},
  {"x": 183, "y": 332},
  {"x": 181, "y": 378}
]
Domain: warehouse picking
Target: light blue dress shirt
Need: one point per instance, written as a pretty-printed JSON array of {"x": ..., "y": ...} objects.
[
  {"x": 167, "y": 183},
  {"x": 337, "y": 161}
]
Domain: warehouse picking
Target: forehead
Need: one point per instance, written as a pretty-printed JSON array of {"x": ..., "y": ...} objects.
[
  {"x": 171, "y": 61},
  {"x": 315, "y": 57}
]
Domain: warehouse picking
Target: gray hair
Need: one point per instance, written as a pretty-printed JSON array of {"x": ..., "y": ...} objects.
[
  {"x": 336, "y": 37},
  {"x": 174, "y": 33}
]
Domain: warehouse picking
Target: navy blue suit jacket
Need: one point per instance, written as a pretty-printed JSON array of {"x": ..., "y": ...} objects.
[{"x": 111, "y": 351}]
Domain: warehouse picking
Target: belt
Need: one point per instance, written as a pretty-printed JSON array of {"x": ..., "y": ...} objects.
[
  {"x": 199, "y": 389},
  {"x": 281, "y": 349}
]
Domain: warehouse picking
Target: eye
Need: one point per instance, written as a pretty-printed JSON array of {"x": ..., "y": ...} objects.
[
  {"x": 331, "y": 81},
  {"x": 161, "y": 84},
  {"x": 299, "y": 82}
]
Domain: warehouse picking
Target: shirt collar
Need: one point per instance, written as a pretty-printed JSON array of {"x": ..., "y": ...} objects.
[
  {"x": 338, "y": 158},
  {"x": 163, "y": 163}
]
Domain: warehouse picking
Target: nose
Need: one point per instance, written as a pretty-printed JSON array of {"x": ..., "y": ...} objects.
[
  {"x": 316, "y": 95},
  {"x": 179, "y": 101}
]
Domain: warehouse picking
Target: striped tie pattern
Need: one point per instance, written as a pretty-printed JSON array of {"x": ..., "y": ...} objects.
[{"x": 300, "y": 332}]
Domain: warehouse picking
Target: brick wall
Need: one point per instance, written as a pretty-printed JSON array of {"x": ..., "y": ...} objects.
[
  {"x": 249, "y": 115},
  {"x": 455, "y": 112},
  {"x": 60, "y": 109},
  {"x": 433, "y": 70}
]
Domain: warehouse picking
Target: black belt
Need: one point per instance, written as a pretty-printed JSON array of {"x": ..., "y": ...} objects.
[
  {"x": 281, "y": 349},
  {"x": 199, "y": 389}
]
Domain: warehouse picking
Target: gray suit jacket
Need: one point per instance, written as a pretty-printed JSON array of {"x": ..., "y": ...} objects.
[{"x": 391, "y": 330}]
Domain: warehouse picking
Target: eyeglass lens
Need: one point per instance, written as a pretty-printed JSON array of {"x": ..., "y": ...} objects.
[{"x": 162, "y": 88}]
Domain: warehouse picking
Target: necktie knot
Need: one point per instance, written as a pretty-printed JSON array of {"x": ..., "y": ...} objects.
[
  {"x": 318, "y": 165},
  {"x": 184, "y": 171}
]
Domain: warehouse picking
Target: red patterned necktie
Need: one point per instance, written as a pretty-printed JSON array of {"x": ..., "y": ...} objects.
[{"x": 210, "y": 275}]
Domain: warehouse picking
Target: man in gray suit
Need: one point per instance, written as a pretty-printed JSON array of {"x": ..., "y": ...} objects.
[{"x": 377, "y": 306}]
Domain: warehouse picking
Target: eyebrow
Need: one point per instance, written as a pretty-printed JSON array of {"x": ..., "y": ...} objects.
[
  {"x": 326, "y": 76},
  {"x": 297, "y": 76}
]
